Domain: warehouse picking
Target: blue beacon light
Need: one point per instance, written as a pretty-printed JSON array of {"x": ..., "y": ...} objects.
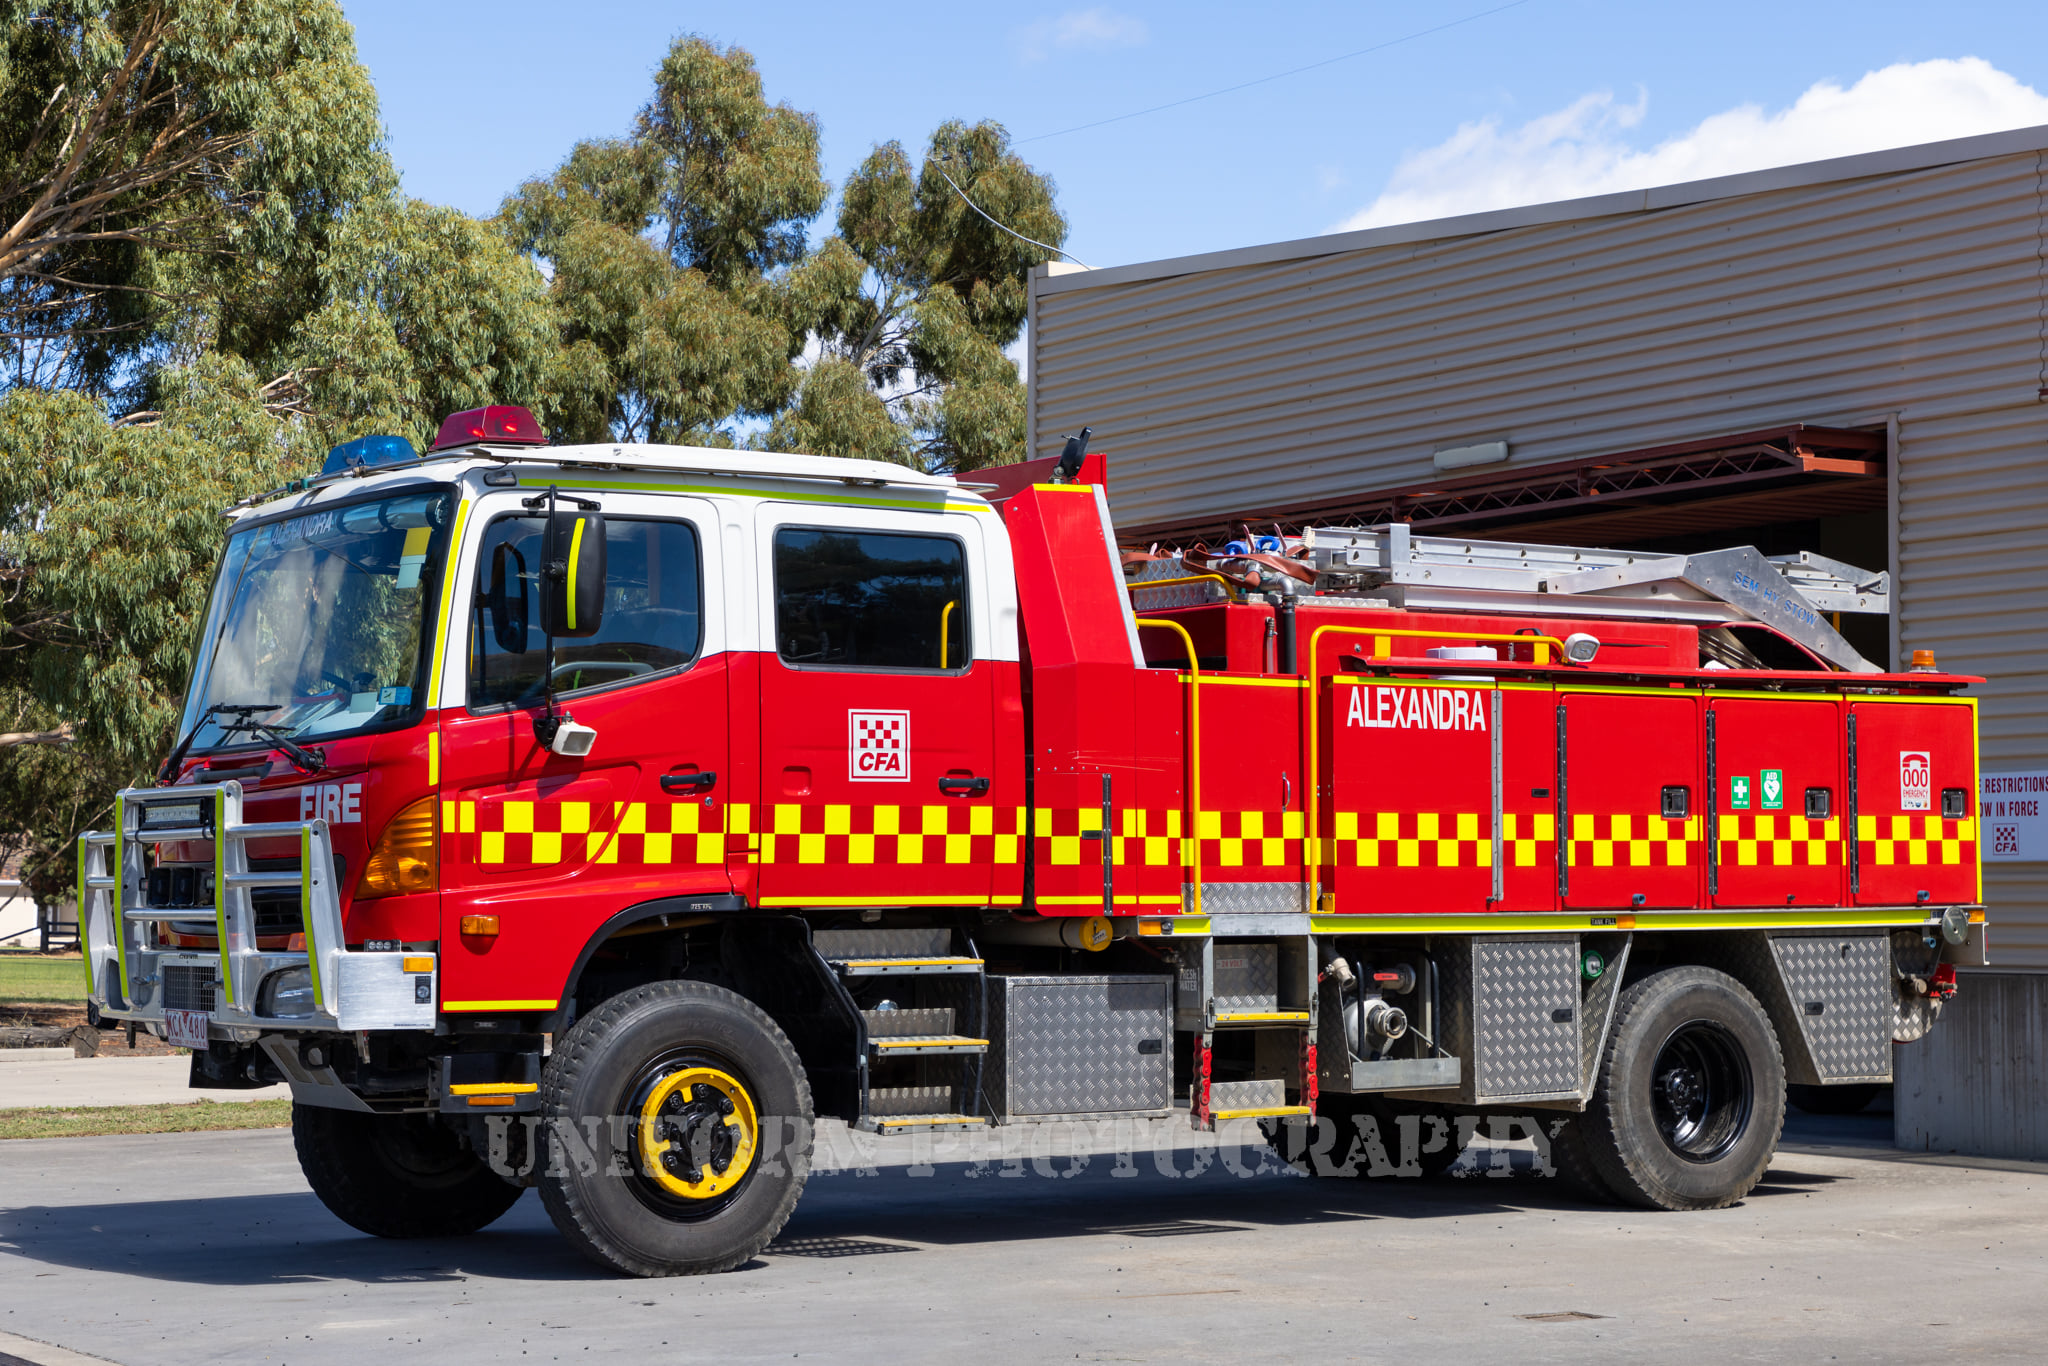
[{"x": 368, "y": 452}]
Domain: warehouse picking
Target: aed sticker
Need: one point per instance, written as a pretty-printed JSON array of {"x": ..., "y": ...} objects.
[
  {"x": 1772, "y": 781},
  {"x": 878, "y": 746},
  {"x": 1916, "y": 780},
  {"x": 1738, "y": 792},
  {"x": 335, "y": 803}
]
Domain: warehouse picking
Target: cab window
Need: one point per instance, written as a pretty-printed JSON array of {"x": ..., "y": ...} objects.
[
  {"x": 653, "y": 612},
  {"x": 849, "y": 599}
]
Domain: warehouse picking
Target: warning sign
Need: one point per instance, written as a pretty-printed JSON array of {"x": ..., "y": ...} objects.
[
  {"x": 1772, "y": 781},
  {"x": 1916, "y": 780},
  {"x": 878, "y": 746},
  {"x": 1738, "y": 792},
  {"x": 2012, "y": 807}
]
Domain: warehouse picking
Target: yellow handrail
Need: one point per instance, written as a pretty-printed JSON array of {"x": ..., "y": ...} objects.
[
  {"x": 1228, "y": 588},
  {"x": 945, "y": 637},
  {"x": 1313, "y": 844},
  {"x": 1191, "y": 833}
]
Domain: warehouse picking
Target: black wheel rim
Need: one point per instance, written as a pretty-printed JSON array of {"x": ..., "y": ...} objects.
[
  {"x": 691, "y": 1119},
  {"x": 1701, "y": 1092}
]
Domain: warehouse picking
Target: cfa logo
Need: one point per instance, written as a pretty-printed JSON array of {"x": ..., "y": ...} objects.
[
  {"x": 878, "y": 746},
  {"x": 1916, "y": 780},
  {"x": 335, "y": 803}
]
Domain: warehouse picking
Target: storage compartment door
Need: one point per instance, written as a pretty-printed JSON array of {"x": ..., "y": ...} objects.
[
  {"x": 1778, "y": 803},
  {"x": 1411, "y": 778},
  {"x": 1916, "y": 802},
  {"x": 1631, "y": 764}
]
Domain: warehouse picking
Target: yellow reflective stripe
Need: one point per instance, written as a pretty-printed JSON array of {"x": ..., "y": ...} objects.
[
  {"x": 84, "y": 914},
  {"x": 939, "y": 502},
  {"x": 306, "y": 916},
  {"x": 433, "y": 758},
  {"x": 1513, "y": 922},
  {"x": 447, "y": 604},
  {"x": 575, "y": 552},
  {"x": 498, "y": 1005},
  {"x": 118, "y": 869},
  {"x": 220, "y": 896},
  {"x": 966, "y": 900},
  {"x": 494, "y": 1088}
]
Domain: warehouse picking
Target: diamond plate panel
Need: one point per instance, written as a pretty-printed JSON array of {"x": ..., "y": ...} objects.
[
  {"x": 927, "y": 943},
  {"x": 1525, "y": 1018},
  {"x": 1072, "y": 1046},
  {"x": 1247, "y": 1095},
  {"x": 1247, "y": 976},
  {"x": 1841, "y": 987},
  {"x": 1247, "y": 898}
]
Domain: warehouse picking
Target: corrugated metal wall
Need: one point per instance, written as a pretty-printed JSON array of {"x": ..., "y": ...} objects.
[{"x": 1917, "y": 294}]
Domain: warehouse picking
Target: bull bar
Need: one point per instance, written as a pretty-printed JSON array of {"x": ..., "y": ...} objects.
[{"x": 126, "y": 977}]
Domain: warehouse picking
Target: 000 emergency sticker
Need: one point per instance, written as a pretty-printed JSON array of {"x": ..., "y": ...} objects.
[
  {"x": 878, "y": 746},
  {"x": 1916, "y": 780}
]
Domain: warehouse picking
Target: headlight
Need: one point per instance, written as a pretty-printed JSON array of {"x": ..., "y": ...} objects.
[{"x": 287, "y": 995}]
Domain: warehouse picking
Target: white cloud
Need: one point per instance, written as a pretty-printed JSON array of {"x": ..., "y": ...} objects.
[
  {"x": 1079, "y": 30},
  {"x": 1583, "y": 149}
]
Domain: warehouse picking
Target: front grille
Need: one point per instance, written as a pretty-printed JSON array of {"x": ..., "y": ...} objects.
[
  {"x": 277, "y": 915},
  {"x": 187, "y": 987}
]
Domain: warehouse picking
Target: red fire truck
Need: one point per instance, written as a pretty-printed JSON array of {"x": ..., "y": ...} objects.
[{"x": 597, "y": 817}]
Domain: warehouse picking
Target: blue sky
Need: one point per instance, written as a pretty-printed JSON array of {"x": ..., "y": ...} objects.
[{"x": 1540, "y": 100}]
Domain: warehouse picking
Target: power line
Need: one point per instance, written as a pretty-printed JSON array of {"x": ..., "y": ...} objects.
[
  {"x": 1010, "y": 230},
  {"x": 1276, "y": 76}
]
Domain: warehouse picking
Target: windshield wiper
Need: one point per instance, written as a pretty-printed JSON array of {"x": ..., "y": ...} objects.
[
  {"x": 304, "y": 758},
  {"x": 170, "y": 768}
]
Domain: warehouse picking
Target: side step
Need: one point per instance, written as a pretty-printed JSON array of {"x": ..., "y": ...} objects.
[
  {"x": 915, "y": 1109},
  {"x": 889, "y": 953},
  {"x": 903, "y": 1033},
  {"x": 1252, "y": 1100}
]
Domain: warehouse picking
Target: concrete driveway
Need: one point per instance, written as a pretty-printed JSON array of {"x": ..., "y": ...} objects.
[{"x": 208, "y": 1248}]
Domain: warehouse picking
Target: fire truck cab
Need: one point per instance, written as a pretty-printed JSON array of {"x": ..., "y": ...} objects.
[{"x": 596, "y": 818}]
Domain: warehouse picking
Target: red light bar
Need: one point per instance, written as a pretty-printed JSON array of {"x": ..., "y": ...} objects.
[{"x": 498, "y": 425}]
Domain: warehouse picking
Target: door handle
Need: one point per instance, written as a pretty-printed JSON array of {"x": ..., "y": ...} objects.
[
  {"x": 678, "y": 782},
  {"x": 969, "y": 787}
]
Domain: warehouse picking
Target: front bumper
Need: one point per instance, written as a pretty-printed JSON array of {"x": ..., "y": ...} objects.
[{"x": 130, "y": 978}]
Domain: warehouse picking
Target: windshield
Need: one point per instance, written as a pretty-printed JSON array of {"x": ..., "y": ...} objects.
[{"x": 318, "y": 623}]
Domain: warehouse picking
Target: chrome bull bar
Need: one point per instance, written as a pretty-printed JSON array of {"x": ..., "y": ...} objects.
[{"x": 126, "y": 970}]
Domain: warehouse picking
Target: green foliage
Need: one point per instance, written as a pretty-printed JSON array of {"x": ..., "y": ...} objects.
[
  {"x": 939, "y": 293},
  {"x": 169, "y": 176},
  {"x": 427, "y": 312},
  {"x": 110, "y": 535},
  {"x": 661, "y": 248}
]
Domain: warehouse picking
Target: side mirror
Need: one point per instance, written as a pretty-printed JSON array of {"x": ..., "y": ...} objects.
[
  {"x": 572, "y": 574},
  {"x": 508, "y": 612}
]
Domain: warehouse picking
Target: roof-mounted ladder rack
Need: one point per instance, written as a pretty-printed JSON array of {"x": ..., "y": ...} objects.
[{"x": 1793, "y": 593}]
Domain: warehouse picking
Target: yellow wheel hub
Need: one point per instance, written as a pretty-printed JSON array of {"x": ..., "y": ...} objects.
[{"x": 699, "y": 1133}]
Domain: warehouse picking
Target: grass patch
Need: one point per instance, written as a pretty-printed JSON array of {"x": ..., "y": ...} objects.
[
  {"x": 85, "y": 1121},
  {"x": 41, "y": 977}
]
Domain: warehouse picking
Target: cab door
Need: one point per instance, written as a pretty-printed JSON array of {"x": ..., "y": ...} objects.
[
  {"x": 879, "y": 780},
  {"x": 555, "y": 846}
]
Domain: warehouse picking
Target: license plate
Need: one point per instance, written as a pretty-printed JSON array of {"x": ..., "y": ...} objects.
[{"x": 186, "y": 1028}]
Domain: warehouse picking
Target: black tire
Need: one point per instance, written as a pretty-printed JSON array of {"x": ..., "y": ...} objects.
[
  {"x": 1326, "y": 1145},
  {"x": 1571, "y": 1157},
  {"x": 397, "y": 1176},
  {"x": 667, "y": 1213},
  {"x": 1851, "y": 1099},
  {"x": 1691, "y": 1093},
  {"x": 1441, "y": 1133}
]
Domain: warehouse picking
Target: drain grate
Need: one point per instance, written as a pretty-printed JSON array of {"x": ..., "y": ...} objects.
[
  {"x": 1560, "y": 1316},
  {"x": 832, "y": 1247}
]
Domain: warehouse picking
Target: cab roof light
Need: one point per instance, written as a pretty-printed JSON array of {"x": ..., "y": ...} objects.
[
  {"x": 498, "y": 425},
  {"x": 368, "y": 453}
]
